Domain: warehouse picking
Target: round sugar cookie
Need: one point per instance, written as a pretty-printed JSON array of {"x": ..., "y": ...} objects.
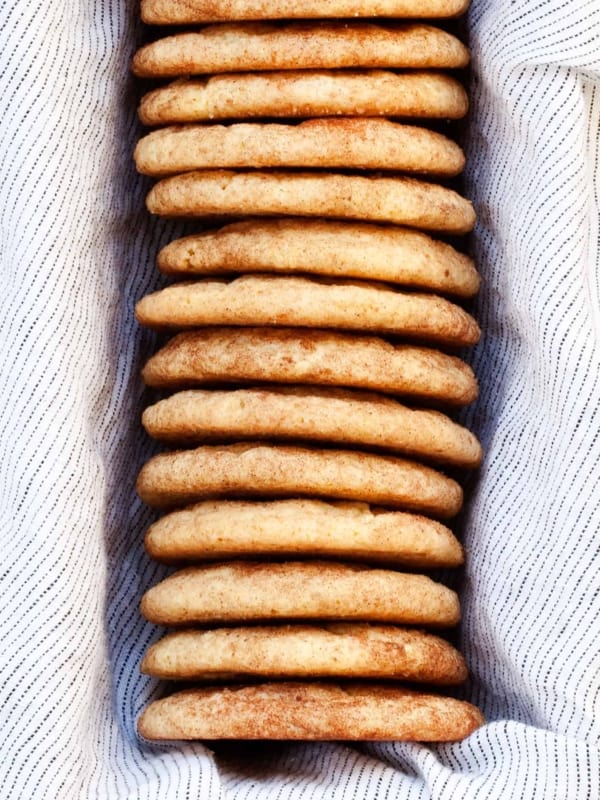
[
  {"x": 222, "y": 529},
  {"x": 353, "y": 143},
  {"x": 342, "y": 650},
  {"x": 301, "y": 413},
  {"x": 176, "y": 12},
  {"x": 310, "y": 712},
  {"x": 222, "y": 193},
  {"x": 240, "y": 591},
  {"x": 324, "y": 247},
  {"x": 315, "y": 93},
  {"x": 253, "y": 300},
  {"x": 296, "y": 355},
  {"x": 261, "y": 469},
  {"x": 250, "y": 47}
]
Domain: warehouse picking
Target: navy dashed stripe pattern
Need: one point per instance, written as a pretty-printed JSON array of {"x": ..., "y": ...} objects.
[{"x": 77, "y": 249}]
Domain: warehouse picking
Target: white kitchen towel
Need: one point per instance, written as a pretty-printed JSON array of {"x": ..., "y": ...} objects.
[{"x": 77, "y": 249}]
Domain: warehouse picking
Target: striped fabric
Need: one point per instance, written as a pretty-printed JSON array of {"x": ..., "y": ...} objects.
[{"x": 77, "y": 250}]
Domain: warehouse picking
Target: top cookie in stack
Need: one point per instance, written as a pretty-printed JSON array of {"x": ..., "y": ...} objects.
[
  {"x": 294, "y": 406},
  {"x": 189, "y": 12}
]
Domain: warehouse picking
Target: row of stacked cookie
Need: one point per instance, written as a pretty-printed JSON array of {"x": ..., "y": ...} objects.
[{"x": 301, "y": 320}]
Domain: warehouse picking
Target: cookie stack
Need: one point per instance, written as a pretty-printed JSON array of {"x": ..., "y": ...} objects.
[{"x": 311, "y": 357}]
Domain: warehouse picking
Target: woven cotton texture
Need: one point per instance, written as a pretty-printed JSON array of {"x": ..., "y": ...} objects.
[{"x": 77, "y": 250}]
